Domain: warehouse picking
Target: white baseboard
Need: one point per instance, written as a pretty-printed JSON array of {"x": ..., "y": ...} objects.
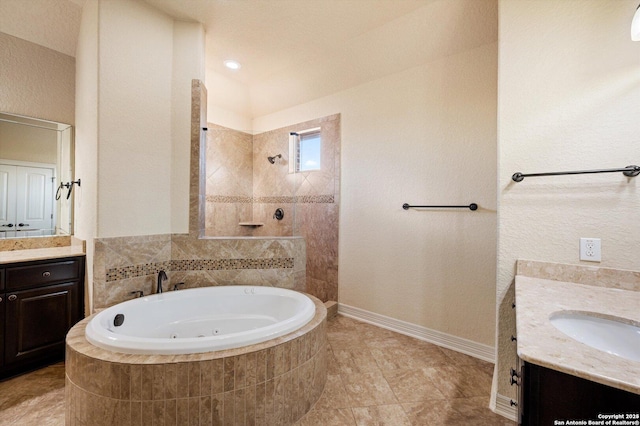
[
  {"x": 505, "y": 409},
  {"x": 468, "y": 347}
]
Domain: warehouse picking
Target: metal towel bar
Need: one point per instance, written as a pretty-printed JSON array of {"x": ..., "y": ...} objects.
[
  {"x": 629, "y": 171},
  {"x": 472, "y": 206}
]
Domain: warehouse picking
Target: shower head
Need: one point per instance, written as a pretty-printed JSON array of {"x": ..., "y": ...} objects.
[{"x": 272, "y": 160}]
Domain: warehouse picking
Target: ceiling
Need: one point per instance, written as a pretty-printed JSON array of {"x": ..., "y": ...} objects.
[
  {"x": 291, "y": 51},
  {"x": 270, "y": 36}
]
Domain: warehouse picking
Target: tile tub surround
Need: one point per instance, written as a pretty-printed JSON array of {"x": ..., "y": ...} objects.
[
  {"x": 126, "y": 264},
  {"x": 274, "y": 382},
  {"x": 539, "y": 342}
]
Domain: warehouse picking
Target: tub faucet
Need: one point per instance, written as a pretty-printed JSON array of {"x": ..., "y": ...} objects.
[{"x": 162, "y": 276}]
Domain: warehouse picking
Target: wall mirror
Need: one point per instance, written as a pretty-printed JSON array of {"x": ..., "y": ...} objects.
[{"x": 36, "y": 161}]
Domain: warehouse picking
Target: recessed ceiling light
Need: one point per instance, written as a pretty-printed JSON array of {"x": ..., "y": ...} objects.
[{"x": 232, "y": 65}]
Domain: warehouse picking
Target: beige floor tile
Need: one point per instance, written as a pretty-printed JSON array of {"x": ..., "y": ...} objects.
[
  {"x": 356, "y": 359},
  {"x": 412, "y": 385},
  {"x": 436, "y": 412},
  {"x": 344, "y": 339},
  {"x": 334, "y": 394},
  {"x": 368, "y": 389},
  {"x": 381, "y": 415},
  {"x": 402, "y": 357},
  {"x": 336, "y": 417}
]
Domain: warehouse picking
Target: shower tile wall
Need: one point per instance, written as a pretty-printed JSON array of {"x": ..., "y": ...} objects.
[
  {"x": 229, "y": 181},
  {"x": 309, "y": 199}
]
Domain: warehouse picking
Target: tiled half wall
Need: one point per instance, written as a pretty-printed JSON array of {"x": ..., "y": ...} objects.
[{"x": 126, "y": 264}]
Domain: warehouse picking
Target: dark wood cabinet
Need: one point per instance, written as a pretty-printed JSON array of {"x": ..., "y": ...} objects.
[
  {"x": 550, "y": 397},
  {"x": 41, "y": 301},
  {"x": 2, "y": 330}
]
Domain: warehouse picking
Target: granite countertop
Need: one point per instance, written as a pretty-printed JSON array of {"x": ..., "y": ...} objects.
[
  {"x": 40, "y": 254},
  {"x": 539, "y": 342}
]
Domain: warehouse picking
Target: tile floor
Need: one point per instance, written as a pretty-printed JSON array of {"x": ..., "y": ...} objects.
[{"x": 376, "y": 377}]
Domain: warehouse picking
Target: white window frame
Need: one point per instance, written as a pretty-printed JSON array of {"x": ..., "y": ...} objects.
[{"x": 294, "y": 148}]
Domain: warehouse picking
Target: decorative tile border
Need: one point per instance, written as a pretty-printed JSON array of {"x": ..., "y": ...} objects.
[
  {"x": 229, "y": 199},
  {"x": 302, "y": 199},
  {"x": 135, "y": 271},
  {"x": 315, "y": 199}
]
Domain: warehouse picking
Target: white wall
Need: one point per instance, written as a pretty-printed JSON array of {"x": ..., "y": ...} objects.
[
  {"x": 134, "y": 158},
  {"x": 423, "y": 135},
  {"x": 86, "y": 136},
  {"x": 228, "y": 103},
  {"x": 569, "y": 99},
  {"x": 188, "y": 64}
]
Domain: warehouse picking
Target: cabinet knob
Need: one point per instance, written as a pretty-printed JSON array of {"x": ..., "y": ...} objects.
[
  {"x": 0, "y": 299},
  {"x": 12, "y": 297},
  {"x": 46, "y": 274}
]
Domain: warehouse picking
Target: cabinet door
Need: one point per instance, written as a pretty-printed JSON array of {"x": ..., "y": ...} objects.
[
  {"x": 37, "y": 322},
  {"x": 2, "y": 296}
]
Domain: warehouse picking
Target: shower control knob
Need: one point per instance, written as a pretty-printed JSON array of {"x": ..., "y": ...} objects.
[{"x": 279, "y": 214}]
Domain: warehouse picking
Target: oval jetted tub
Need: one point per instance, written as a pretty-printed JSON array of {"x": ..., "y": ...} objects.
[
  {"x": 200, "y": 320},
  {"x": 213, "y": 355}
]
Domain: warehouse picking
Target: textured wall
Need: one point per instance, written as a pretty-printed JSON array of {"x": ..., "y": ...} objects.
[
  {"x": 86, "y": 137},
  {"x": 135, "y": 116},
  {"x": 423, "y": 135},
  {"x": 36, "y": 81},
  {"x": 569, "y": 100}
]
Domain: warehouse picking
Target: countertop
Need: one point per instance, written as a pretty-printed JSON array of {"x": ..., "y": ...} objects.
[
  {"x": 40, "y": 254},
  {"x": 539, "y": 342}
]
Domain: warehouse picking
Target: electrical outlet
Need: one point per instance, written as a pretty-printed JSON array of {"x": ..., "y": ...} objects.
[{"x": 590, "y": 249}]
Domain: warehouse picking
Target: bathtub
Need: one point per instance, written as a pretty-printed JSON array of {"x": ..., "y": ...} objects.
[{"x": 199, "y": 320}]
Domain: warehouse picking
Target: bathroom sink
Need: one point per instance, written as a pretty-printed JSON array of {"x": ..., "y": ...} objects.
[{"x": 610, "y": 334}]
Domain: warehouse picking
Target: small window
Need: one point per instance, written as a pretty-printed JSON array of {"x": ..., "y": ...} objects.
[{"x": 306, "y": 147}]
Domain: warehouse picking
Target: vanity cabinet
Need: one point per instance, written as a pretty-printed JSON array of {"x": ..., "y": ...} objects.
[
  {"x": 41, "y": 301},
  {"x": 551, "y": 397}
]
